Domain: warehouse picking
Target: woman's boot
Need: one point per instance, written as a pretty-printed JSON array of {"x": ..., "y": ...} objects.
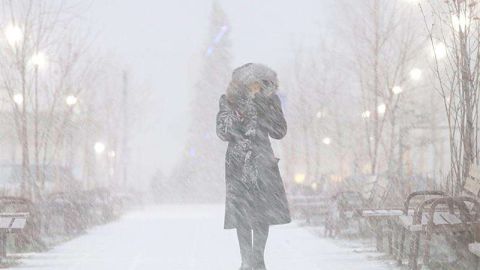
[
  {"x": 260, "y": 236},
  {"x": 245, "y": 242}
]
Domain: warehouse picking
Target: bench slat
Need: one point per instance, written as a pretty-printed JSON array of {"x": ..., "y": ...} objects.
[
  {"x": 474, "y": 248},
  {"x": 5, "y": 222},
  {"x": 472, "y": 185},
  {"x": 19, "y": 223}
]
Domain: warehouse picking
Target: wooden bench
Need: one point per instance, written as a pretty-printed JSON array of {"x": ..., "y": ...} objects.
[
  {"x": 377, "y": 215},
  {"x": 30, "y": 235},
  {"x": 10, "y": 223},
  {"x": 308, "y": 206},
  {"x": 442, "y": 215},
  {"x": 471, "y": 188},
  {"x": 346, "y": 204},
  {"x": 406, "y": 220}
]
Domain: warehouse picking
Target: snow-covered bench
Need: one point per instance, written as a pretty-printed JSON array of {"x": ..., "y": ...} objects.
[
  {"x": 308, "y": 205},
  {"x": 10, "y": 223},
  {"x": 442, "y": 215},
  {"x": 342, "y": 210},
  {"x": 472, "y": 188},
  {"x": 406, "y": 220}
]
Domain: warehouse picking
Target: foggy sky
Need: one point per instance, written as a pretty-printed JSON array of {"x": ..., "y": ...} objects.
[{"x": 162, "y": 42}]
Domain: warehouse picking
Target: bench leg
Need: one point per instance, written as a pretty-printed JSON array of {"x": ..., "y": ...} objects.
[
  {"x": 379, "y": 234},
  {"x": 401, "y": 244},
  {"x": 413, "y": 260},
  {"x": 390, "y": 238},
  {"x": 426, "y": 252},
  {"x": 3, "y": 246}
]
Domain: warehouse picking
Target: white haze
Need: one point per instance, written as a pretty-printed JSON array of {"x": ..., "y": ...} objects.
[{"x": 161, "y": 43}]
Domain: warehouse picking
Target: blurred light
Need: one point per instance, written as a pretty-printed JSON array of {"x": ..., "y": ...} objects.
[
  {"x": 99, "y": 147},
  {"x": 217, "y": 39},
  {"x": 382, "y": 108},
  {"x": 319, "y": 114},
  {"x": 39, "y": 60},
  {"x": 460, "y": 23},
  {"x": 299, "y": 178},
  {"x": 327, "y": 140},
  {"x": 18, "y": 99},
  {"x": 14, "y": 34},
  {"x": 71, "y": 100},
  {"x": 314, "y": 186},
  {"x": 192, "y": 152},
  {"x": 112, "y": 154},
  {"x": 440, "y": 51},
  {"x": 397, "y": 90},
  {"x": 366, "y": 114},
  {"x": 416, "y": 74},
  {"x": 336, "y": 178}
]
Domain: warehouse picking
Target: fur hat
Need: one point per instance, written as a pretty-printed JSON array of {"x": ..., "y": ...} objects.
[{"x": 251, "y": 73}]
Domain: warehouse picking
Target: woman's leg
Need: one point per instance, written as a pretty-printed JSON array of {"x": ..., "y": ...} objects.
[
  {"x": 244, "y": 235},
  {"x": 260, "y": 236}
]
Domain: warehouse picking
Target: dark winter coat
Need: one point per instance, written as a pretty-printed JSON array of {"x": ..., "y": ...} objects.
[{"x": 266, "y": 204}]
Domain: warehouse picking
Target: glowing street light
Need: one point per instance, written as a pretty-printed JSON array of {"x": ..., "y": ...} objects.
[
  {"x": 460, "y": 23},
  {"x": 416, "y": 74},
  {"x": 99, "y": 148},
  {"x": 397, "y": 90},
  {"x": 327, "y": 140},
  {"x": 18, "y": 99},
  {"x": 299, "y": 178},
  {"x": 14, "y": 34},
  {"x": 366, "y": 114},
  {"x": 39, "y": 60},
  {"x": 319, "y": 114},
  {"x": 382, "y": 108},
  {"x": 314, "y": 186},
  {"x": 71, "y": 100},
  {"x": 440, "y": 51}
]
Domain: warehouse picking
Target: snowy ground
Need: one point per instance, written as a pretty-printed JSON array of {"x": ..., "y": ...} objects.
[{"x": 191, "y": 237}]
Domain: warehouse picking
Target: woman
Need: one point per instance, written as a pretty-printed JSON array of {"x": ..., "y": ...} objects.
[{"x": 250, "y": 113}]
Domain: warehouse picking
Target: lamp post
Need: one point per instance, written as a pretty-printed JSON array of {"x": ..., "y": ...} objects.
[
  {"x": 70, "y": 101},
  {"x": 38, "y": 60}
]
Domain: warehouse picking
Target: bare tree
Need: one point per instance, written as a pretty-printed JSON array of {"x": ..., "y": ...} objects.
[{"x": 453, "y": 30}]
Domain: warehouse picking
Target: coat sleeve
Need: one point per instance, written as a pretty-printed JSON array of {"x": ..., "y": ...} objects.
[
  {"x": 227, "y": 121},
  {"x": 278, "y": 124}
]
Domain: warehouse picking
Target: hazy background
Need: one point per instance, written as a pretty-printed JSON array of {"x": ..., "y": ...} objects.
[{"x": 161, "y": 43}]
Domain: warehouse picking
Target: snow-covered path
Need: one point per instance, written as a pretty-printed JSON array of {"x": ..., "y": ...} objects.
[{"x": 191, "y": 237}]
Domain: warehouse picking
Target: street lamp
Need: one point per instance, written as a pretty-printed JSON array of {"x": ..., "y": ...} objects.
[
  {"x": 382, "y": 108},
  {"x": 299, "y": 178},
  {"x": 416, "y": 74},
  {"x": 327, "y": 140},
  {"x": 18, "y": 99},
  {"x": 461, "y": 22},
  {"x": 14, "y": 34},
  {"x": 71, "y": 100},
  {"x": 99, "y": 148},
  {"x": 440, "y": 50},
  {"x": 39, "y": 60},
  {"x": 366, "y": 114},
  {"x": 397, "y": 90}
]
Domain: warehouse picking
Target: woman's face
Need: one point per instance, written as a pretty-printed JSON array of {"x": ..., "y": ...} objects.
[{"x": 254, "y": 88}]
